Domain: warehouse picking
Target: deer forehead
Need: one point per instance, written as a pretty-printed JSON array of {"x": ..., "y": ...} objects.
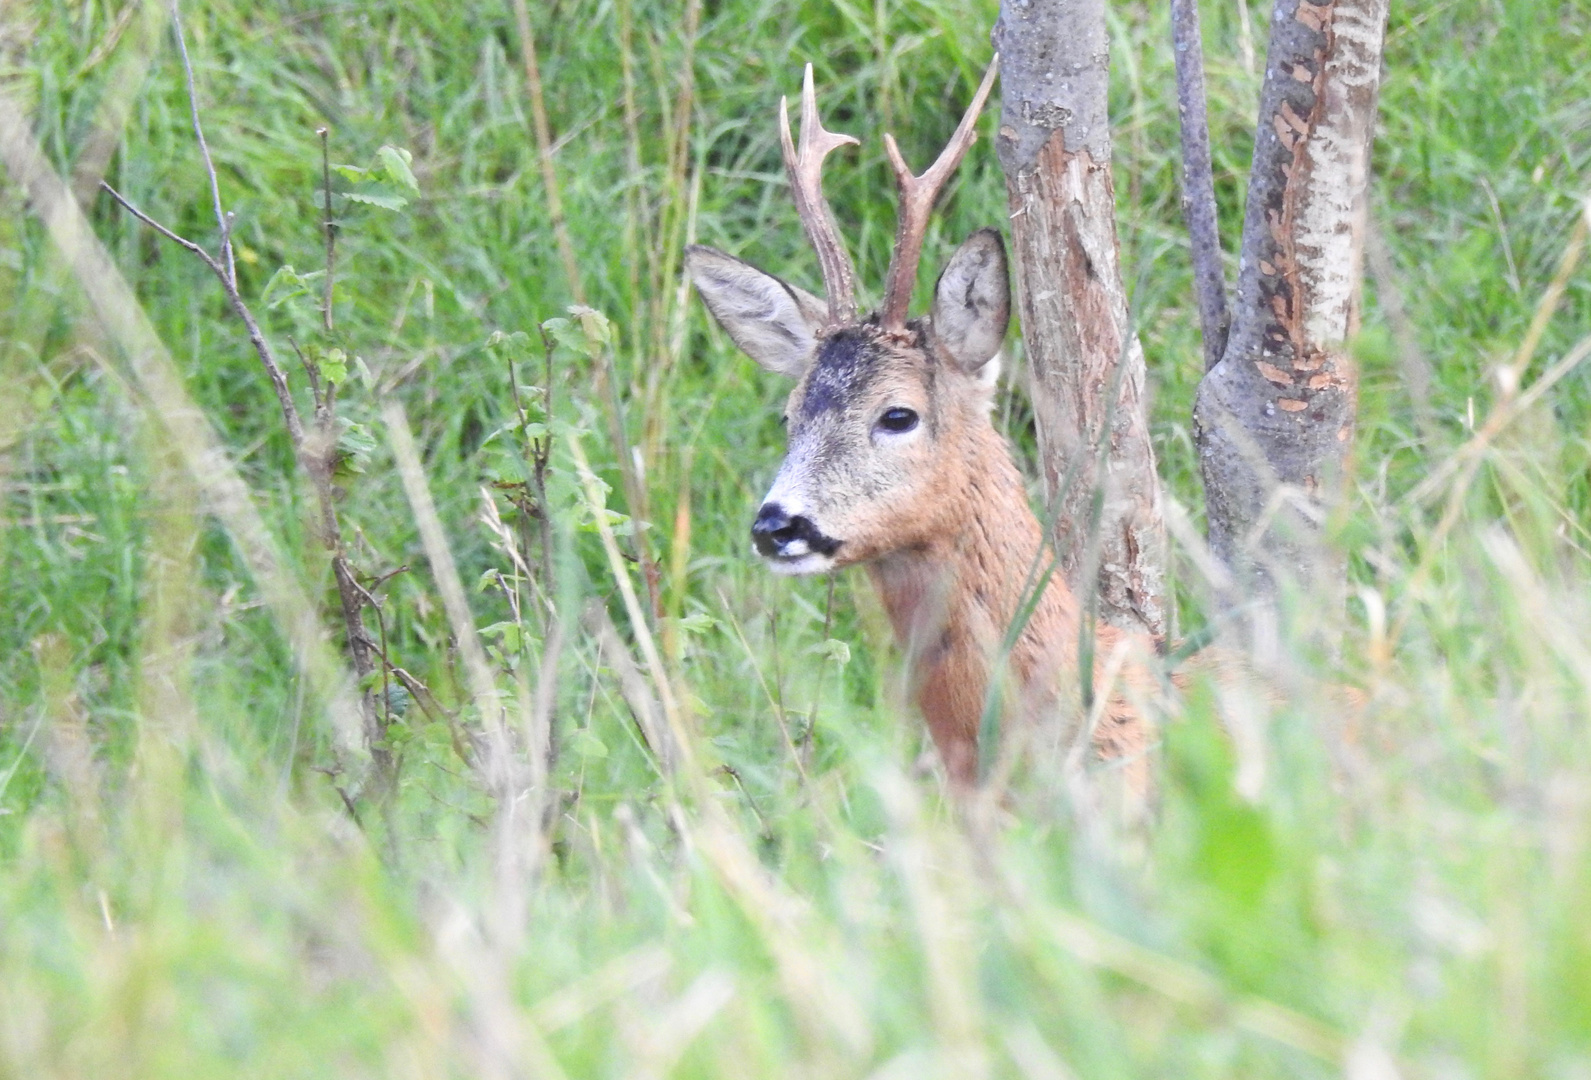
[{"x": 857, "y": 368}]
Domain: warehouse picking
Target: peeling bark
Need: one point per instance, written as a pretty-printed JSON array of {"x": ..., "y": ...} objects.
[
  {"x": 1274, "y": 419},
  {"x": 1088, "y": 367}
]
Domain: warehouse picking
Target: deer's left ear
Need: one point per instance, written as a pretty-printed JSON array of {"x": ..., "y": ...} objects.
[{"x": 972, "y": 301}]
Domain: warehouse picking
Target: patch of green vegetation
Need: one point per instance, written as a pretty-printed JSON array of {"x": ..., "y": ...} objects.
[{"x": 198, "y": 878}]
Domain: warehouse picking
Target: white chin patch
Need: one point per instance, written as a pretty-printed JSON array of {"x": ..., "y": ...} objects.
[{"x": 810, "y": 563}]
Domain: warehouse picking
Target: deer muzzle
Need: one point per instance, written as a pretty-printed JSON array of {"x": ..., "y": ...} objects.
[{"x": 792, "y": 542}]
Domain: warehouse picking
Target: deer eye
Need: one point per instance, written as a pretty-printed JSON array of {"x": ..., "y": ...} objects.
[{"x": 897, "y": 420}]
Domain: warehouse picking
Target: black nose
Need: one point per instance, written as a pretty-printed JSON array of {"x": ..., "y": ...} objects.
[{"x": 774, "y": 532}]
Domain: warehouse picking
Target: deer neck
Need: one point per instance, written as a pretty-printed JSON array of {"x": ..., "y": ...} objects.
[{"x": 952, "y": 600}]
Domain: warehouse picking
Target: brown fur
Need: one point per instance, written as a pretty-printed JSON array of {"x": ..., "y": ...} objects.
[{"x": 952, "y": 598}]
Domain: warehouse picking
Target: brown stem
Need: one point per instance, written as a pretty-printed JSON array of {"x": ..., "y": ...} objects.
[
  {"x": 543, "y": 456},
  {"x": 381, "y": 628},
  {"x": 329, "y": 224},
  {"x": 632, "y": 154}
]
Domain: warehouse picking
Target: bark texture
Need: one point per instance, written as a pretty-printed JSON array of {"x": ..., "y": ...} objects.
[
  {"x": 1274, "y": 419},
  {"x": 1198, "y": 180},
  {"x": 1088, "y": 368}
]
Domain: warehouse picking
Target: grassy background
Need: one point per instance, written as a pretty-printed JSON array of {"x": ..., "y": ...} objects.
[{"x": 183, "y": 890}]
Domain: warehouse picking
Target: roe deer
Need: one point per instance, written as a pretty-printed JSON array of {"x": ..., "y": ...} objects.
[{"x": 893, "y": 461}]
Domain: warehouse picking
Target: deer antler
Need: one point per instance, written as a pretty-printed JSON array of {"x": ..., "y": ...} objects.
[
  {"x": 917, "y": 195},
  {"x": 806, "y": 183}
]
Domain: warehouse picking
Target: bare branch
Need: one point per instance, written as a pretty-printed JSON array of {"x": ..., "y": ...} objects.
[
  {"x": 284, "y": 395},
  {"x": 381, "y": 627},
  {"x": 223, "y": 225},
  {"x": 223, "y": 268},
  {"x": 1198, "y": 181},
  {"x": 163, "y": 231}
]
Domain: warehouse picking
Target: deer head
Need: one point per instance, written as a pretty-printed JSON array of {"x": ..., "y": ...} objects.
[{"x": 884, "y": 407}]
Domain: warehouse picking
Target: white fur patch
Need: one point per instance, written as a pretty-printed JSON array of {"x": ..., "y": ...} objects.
[
  {"x": 989, "y": 375},
  {"x": 811, "y": 563}
]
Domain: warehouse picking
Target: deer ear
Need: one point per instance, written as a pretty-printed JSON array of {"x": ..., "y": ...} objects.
[
  {"x": 773, "y": 322},
  {"x": 972, "y": 301}
]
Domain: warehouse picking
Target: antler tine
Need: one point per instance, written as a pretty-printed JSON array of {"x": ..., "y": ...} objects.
[
  {"x": 806, "y": 184},
  {"x": 917, "y": 195}
]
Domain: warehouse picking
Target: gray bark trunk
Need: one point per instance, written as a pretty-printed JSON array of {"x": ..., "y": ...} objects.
[
  {"x": 1088, "y": 368},
  {"x": 1198, "y": 180},
  {"x": 1274, "y": 419}
]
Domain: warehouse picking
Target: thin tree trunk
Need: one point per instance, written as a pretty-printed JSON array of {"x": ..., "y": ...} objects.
[
  {"x": 1274, "y": 419},
  {"x": 1088, "y": 368},
  {"x": 1198, "y": 180}
]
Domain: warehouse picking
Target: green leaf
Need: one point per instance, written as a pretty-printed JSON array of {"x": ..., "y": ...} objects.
[
  {"x": 398, "y": 698},
  {"x": 595, "y": 325},
  {"x": 334, "y": 366},
  {"x": 509, "y": 635},
  {"x": 588, "y": 333},
  {"x": 350, "y": 172},
  {"x": 698, "y": 622},
  {"x": 587, "y": 745},
  {"x": 355, "y": 445},
  {"x": 370, "y": 198},
  {"x": 395, "y": 162},
  {"x": 515, "y": 346},
  {"x": 286, "y": 284},
  {"x": 566, "y": 334},
  {"x": 836, "y": 650}
]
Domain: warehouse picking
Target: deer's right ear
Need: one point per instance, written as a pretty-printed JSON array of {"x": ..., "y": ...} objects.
[{"x": 774, "y": 323}]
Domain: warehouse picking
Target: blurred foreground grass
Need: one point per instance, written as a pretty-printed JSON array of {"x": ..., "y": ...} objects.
[{"x": 193, "y": 880}]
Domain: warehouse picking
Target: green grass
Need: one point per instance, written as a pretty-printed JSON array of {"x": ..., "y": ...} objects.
[{"x": 183, "y": 891}]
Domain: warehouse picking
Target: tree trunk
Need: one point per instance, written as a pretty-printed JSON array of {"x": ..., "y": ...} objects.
[
  {"x": 1198, "y": 180},
  {"x": 1088, "y": 368},
  {"x": 1274, "y": 419}
]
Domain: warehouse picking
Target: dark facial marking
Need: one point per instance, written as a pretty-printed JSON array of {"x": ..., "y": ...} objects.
[{"x": 844, "y": 362}]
